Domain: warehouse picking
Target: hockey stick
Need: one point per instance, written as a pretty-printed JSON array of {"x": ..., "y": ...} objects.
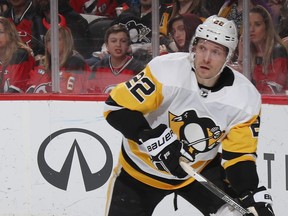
[{"x": 212, "y": 187}]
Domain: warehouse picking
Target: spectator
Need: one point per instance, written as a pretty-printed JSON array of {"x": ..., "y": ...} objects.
[
  {"x": 280, "y": 9},
  {"x": 95, "y": 7},
  {"x": 187, "y": 105},
  {"x": 132, "y": 3},
  {"x": 269, "y": 57},
  {"x": 212, "y": 7},
  {"x": 182, "y": 7},
  {"x": 73, "y": 69},
  {"x": 139, "y": 24},
  {"x": 77, "y": 5},
  {"x": 182, "y": 28},
  {"x": 195, "y": 7},
  {"x": 97, "y": 29},
  {"x": 275, "y": 8},
  {"x": 15, "y": 59},
  {"x": 4, "y": 5},
  {"x": 74, "y": 21},
  {"x": 232, "y": 10},
  {"x": 116, "y": 67},
  {"x": 22, "y": 13},
  {"x": 282, "y": 27}
]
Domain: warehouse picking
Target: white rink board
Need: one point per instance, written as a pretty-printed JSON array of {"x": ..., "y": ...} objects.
[{"x": 80, "y": 128}]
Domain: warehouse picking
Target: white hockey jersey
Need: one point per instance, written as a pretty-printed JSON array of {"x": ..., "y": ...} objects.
[{"x": 167, "y": 92}]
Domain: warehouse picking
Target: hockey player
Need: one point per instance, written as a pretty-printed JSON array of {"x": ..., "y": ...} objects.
[{"x": 185, "y": 104}]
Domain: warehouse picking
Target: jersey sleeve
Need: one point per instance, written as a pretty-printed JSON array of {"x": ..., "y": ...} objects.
[
  {"x": 129, "y": 101},
  {"x": 142, "y": 93},
  {"x": 239, "y": 156},
  {"x": 241, "y": 142}
]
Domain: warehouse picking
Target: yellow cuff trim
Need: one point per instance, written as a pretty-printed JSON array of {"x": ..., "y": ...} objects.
[{"x": 238, "y": 159}]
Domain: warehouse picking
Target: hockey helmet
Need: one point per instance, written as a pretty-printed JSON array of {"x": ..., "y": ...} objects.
[{"x": 219, "y": 30}]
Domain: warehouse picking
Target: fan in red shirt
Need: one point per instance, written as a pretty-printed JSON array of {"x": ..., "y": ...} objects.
[
  {"x": 269, "y": 57},
  {"x": 116, "y": 67},
  {"x": 73, "y": 69},
  {"x": 15, "y": 59}
]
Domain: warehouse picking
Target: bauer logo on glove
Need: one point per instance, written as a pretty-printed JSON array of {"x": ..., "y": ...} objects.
[{"x": 154, "y": 145}]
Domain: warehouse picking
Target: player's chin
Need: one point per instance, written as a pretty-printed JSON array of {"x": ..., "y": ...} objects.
[{"x": 204, "y": 74}]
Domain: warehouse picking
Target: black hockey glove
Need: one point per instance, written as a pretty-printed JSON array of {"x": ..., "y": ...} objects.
[
  {"x": 258, "y": 202},
  {"x": 164, "y": 149}
]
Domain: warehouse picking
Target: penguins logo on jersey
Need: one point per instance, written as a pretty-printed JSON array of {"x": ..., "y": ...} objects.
[
  {"x": 138, "y": 32},
  {"x": 201, "y": 134}
]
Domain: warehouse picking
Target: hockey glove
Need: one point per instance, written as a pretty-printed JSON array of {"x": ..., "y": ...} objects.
[
  {"x": 164, "y": 149},
  {"x": 258, "y": 202}
]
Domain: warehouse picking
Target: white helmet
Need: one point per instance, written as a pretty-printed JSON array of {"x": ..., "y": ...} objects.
[{"x": 219, "y": 30}]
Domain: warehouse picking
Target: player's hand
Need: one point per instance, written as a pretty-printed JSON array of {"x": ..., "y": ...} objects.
[
  {"x": 164, "y": 149},
  {"x": 258, "y": 202}
]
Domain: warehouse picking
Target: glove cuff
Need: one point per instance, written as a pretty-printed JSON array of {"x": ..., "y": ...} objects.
[{"x": 260, "y": 195}]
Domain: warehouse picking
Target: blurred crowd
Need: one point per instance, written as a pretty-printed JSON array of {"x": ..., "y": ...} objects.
[{"x": 105, "y": 42}]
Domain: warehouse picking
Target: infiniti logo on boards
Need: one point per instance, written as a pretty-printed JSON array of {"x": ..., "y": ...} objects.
[{"x": 60, "y": 178}]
